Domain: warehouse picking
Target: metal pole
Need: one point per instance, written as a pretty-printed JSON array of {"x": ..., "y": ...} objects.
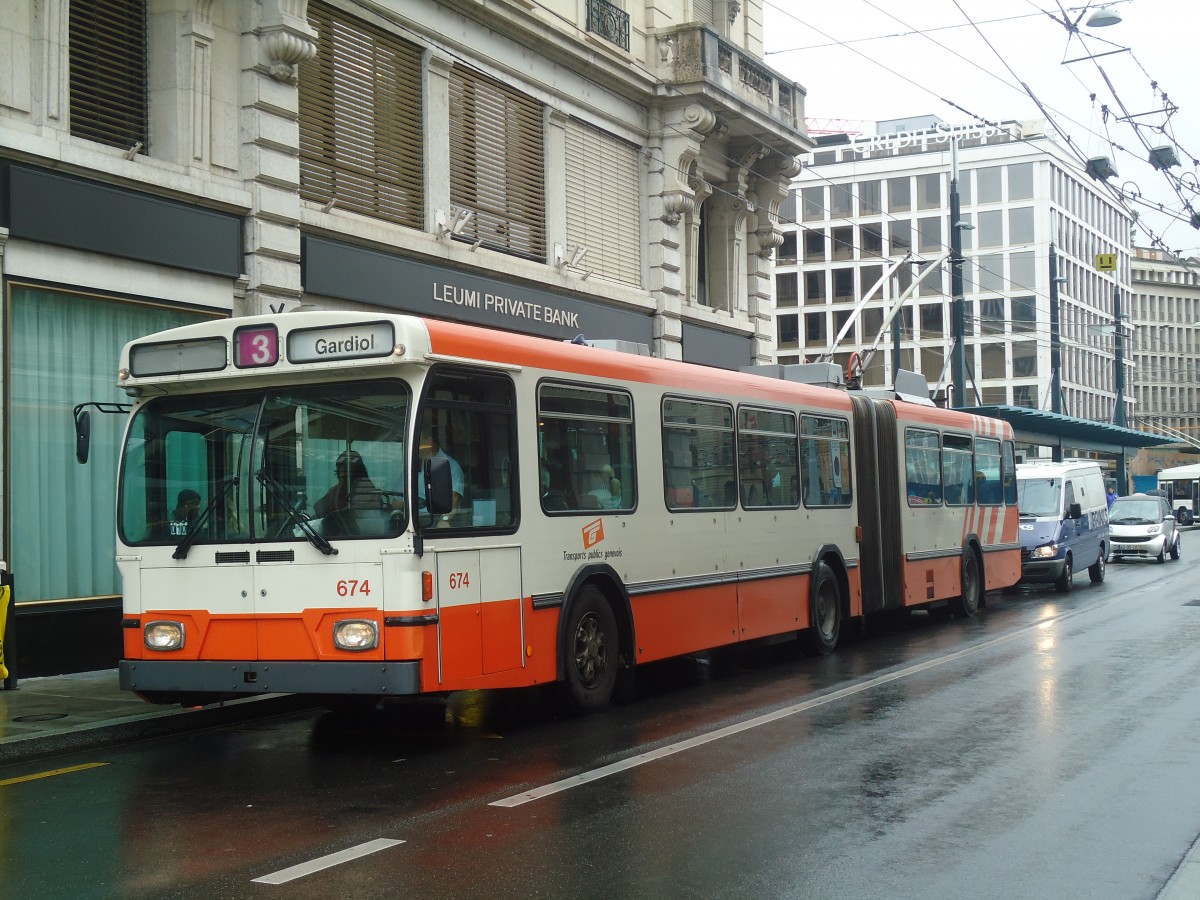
[
  {"x": 1055, "y": 338},
  {"x": 895, "y": 332},
  {"x": 958, "y": 350},
  {"x": 1119, "y": 347}
]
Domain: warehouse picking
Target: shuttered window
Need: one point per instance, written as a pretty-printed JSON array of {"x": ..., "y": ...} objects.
[
  {"x": 496, "y": 164},
  {"x": 603, "y": 203},
  {"x": 360, "y": 120},
  {"x": 108, "y": 72}
]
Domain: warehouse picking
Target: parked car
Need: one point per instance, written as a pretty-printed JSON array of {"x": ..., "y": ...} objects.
[{"x": 1143, "y": 525}]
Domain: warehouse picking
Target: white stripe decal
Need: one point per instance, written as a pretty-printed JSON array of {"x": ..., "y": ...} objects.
[{"x": 324, "y": 862}]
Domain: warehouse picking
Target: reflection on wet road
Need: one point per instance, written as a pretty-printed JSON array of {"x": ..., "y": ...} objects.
[{"x": 1045, "y": 748}]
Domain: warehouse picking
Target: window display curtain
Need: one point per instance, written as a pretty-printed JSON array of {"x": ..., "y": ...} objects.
[{"x": 65, "y": 350}]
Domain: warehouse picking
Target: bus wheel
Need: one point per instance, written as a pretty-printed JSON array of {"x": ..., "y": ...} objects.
[
  {"x": 822, "y": 637},
  {"x": 592, "y": 651},
  {"x": 1063, "y": 584},
  {"x": 972, "y": 587}
]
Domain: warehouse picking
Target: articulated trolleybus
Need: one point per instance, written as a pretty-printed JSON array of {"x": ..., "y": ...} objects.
[{"x": 362, "y": 506}]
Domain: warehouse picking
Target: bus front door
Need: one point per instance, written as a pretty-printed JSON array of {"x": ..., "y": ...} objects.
[{"x": 480, "y": 627}]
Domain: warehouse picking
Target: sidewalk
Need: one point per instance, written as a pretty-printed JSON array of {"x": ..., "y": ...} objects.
[{"x": 64, "y": 713}]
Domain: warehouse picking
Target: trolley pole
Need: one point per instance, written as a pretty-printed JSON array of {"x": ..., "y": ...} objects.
[
  {"x": 1119, "y": 353},
  {"x": 958, "y": 350},
  {"x": 1055, "y": 338}
]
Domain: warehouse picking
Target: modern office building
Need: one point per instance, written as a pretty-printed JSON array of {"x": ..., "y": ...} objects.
[
  {"x": 611, "y": 169},
  {"x": 866, "y": 205},
  {"x": 1165, "y": 344}
]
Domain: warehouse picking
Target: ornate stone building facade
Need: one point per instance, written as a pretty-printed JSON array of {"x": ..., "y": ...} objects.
[{"x": 618, "y": 164}]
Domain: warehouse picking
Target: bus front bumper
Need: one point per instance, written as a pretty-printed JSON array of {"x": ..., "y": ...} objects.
[{"x": 170, "y": 676}]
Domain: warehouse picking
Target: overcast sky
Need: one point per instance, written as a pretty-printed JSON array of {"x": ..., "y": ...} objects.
[{"x": 862, "y": 61}]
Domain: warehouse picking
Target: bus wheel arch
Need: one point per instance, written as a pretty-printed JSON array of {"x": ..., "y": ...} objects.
[
  {"x": 829, "y": 597},
  {"x": 595, "y": 640}
]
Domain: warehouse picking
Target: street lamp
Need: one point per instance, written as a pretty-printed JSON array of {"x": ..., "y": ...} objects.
[{"x": 1103, "y": 17}]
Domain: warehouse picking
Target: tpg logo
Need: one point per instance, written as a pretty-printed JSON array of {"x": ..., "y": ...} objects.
[{"x": 593, "y": 533}]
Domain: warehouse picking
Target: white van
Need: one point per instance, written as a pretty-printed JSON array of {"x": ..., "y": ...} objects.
[{"x": 1064, "y": 521}]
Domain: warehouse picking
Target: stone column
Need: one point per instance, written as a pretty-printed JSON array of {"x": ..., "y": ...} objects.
[
  {"x": 769, "y": 184},
  {"x": 278, "y": 39},
  {"x": 181, "y": 81},
  {"x": 674, "y": 151}
]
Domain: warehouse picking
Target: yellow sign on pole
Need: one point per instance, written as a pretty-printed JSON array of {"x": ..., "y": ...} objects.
[
  {"x": 4, "y": 593},
  {"x": 1106, "y": 262}
]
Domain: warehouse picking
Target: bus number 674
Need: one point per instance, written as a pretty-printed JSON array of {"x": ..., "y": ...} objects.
[
  {"x": 352, "y": 587},
  {"x": 459, "y": 580}
]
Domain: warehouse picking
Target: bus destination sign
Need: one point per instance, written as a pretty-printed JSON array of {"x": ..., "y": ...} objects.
[{"x": 343, "y": 342}]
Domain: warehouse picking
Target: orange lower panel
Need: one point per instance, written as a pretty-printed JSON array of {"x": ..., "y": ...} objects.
[
  {"x": 773, "y": 606},
  {"x": 932, "y": 579},
  {"x": 685, "y": 621},
  {"x": 306, "y": 635},
  {"x": 1002, "y": 568}
]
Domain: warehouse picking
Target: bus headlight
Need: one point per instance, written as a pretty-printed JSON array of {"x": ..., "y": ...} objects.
[
  {"x": 163, "y": 635},
  {"x": 355, "y": 634},
  {"x": 1049, "y": 551}
]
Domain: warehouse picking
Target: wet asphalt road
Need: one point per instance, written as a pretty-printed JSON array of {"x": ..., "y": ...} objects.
[{"x": 1048, "y": 748}]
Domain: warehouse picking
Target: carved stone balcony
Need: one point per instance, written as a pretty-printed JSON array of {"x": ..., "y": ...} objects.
[{"x": 736, "y": 86}]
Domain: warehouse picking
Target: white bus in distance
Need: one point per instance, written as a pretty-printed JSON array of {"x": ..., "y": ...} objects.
[
  {"x": 428, "y": 507},
  {"x": 1181, "y": 485}
]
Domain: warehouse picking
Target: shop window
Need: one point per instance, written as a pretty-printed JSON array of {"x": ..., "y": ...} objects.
[{"x": 63, "y": 537}]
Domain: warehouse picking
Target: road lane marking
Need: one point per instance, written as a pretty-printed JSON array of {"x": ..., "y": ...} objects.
[
  {"x": 671, "y": 749},
  {"x": 51, "y": 773},
  {"x": 324, "y": 862}
]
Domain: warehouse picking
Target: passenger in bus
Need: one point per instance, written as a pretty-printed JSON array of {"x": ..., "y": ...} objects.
[
  {"x": 187, "y": 511},
  {"x": 606, "y": 488},
  {"x": 352, "y": 491},
  {"x": 428, "y": 448}
]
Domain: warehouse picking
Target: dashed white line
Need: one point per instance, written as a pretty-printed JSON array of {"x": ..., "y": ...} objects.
[{"x": 324, "y": 862}]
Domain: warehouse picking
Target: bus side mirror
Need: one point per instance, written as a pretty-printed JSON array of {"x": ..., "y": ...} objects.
[
  {"x": 1075, "y": 511},
  {"x": 83, "y": 435},
  {"x": 439, "y": 497}
]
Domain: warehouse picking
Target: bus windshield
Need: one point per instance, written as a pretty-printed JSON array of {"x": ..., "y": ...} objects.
[
  {"x": 254, "y": 466},
  {"x": 1040, "y": 497}
]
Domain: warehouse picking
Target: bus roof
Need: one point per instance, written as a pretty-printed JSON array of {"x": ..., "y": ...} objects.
[{"x": 319, "y": 341}]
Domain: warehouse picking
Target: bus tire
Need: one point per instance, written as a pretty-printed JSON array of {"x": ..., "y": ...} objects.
[
  {"x": 821, "y": 639},
  {"x": 1063, "y": 583},
  {"x": 591, "y": 652},
  {"x": 1096, "y": 569},
  {"x": 967, "y": 604}
]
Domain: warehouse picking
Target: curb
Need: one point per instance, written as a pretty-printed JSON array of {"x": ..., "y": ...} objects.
[{"x": 154, "y": 724}]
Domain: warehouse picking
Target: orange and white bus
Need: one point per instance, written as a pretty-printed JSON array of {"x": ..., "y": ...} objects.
[{"x": 363, "y": 506}]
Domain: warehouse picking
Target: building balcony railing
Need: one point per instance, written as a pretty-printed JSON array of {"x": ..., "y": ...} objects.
[
  {"x": 609, "y": 21},
  {"x": 695, "y": 60}
]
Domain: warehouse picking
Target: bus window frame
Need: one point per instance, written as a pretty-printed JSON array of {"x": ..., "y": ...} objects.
[
  {"x": 424, "y": 404},
  {"x": 790, "y": 414},
  {"x": 922, "y": 502},
  {"x": 846, "y": 490},
  {"x": 732, "y": 448},
  {"x": 629, "y": 484}
]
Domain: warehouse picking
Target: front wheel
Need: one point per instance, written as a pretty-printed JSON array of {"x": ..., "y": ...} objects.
[
  {"x": 972, "y": 587},
  {"x": 1175, "y": 548},
  {"x": 822, "y": 637},
  {"x": 1063, "y": 584},
  {"x": 1096, "y": 569},
  {"x": 591, "y": 652}
]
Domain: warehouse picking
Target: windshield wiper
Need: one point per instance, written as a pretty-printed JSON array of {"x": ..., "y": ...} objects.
[
  {"x": 182, "y": 548},
  {"x": 279, "y": 492}
]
